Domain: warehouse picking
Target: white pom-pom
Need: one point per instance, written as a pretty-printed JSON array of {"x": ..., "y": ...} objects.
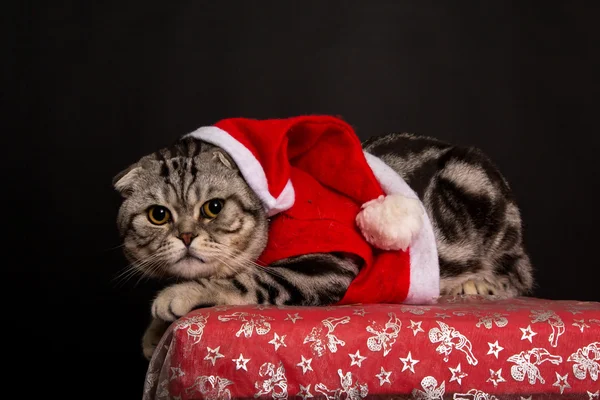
[{"x": 390, "y": 222}]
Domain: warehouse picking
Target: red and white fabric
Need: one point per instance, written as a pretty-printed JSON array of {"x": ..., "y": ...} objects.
[
  {"x": 463, "y": 347},
  {"x": 316, "y": 183}
]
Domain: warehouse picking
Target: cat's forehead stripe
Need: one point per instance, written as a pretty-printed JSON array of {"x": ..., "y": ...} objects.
[{"x": 191, "y": 184}]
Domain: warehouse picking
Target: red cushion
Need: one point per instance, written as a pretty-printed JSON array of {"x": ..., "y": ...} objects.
[{"x": 464, "y": 347}]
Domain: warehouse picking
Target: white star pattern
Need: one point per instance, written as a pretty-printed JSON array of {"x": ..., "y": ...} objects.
[
  {"x": 163, "y": 389},
  {"x": 215, "y": 355},
  {"x": 293, "y": 318},
  {"x": 495, "y": 348},
  {"x": 409, "y": 363},
  {"x": 384, "y": 377},
  {"x": 305, "y": 365},
  {"x": 457, "y": 374},
  {"x": 330, "y": 331},
  {"x": 496, "y": 377},
  {"x": 527, "y": 333},
  {"x": 176, "y": 372},
  {"x": 415, "y": 310},
  {"x": 240, "y": 363},
  {"x": 304, "y": 392},
  {"x": 356, "y": 358},
  {"x": 360, "y": 311},
  {"x": 277, "y": 341},
  {"x": 151, "y": 379},
  {"x": 441, "y": 315},
  {"x": 416, "y": 327},
  {"x": 561, "y": 382},
  {"x": 580, "y": 323},
  {"x": 574, "y": 311}
]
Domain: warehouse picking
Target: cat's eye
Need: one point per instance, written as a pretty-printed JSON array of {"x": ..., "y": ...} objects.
[
  {"x": 159, "y": 215},
  {"x": 212, "y": 208}
]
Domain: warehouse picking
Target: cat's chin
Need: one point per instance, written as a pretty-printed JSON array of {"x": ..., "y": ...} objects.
[{"x": 191, "y": 268}]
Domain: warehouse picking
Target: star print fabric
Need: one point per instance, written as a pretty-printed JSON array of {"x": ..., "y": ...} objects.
[{"x": 463, "y": 347}]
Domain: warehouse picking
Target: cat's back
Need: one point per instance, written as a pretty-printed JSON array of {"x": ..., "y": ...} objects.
[
  {"x": 476, "y": 221},
  {"x": 403, "y": 144},
  {"x": 419, "y": 159}
]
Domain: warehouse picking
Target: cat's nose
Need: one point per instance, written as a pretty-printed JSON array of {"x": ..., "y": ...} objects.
[{"x": 187, "y": 237}]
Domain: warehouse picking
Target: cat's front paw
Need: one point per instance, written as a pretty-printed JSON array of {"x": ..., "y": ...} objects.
[{"x": 178, "y": 300}]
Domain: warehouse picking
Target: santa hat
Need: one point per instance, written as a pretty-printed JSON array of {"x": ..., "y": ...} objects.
[{"x": 322, "y": 155}]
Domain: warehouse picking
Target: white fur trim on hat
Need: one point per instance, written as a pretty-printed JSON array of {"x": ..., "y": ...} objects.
[
  {"x": 250, "y": 167},
  {"x": 424, "y": 264},
  {"x": 390, "y": 222}
]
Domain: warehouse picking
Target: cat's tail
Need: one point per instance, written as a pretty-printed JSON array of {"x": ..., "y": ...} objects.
[{"x": 510, "y": 258}]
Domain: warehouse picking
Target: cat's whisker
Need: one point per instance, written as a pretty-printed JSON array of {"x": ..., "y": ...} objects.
[
  {"x": 227, "y": 252},
  {"x": 126, "y": 276},
  {"x": 226, "y": 264},
  {"x": 250, "y": 264},
  {"x": 270, "y": 271},
  {"x": 137, "y": 267},
  {"x": 131, "y": 272},
  {"x": 234, "y": 253},
  {"x": 115, "y": 247},
  {"x": 242, "y": 261},
  {"x": 241, "y": 258},
  {"x": 154, "y": 268},
  {"x": 127, "y": 273},
  {"x": 148, "y": 260},
  {"x": 234, "y": 257}
]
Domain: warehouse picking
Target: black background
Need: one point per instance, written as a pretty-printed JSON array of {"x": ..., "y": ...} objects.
[{"x": 100, "y": 84}]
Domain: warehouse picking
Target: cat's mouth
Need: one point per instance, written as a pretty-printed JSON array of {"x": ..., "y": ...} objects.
[
  {"x": 191, "y": 266},
  {"x": 191, "y": 257}
]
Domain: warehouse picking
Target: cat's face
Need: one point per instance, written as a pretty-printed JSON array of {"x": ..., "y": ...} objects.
[{"x": 188, "y": 213}]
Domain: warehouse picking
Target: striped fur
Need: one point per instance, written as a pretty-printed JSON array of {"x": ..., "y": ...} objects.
[
  {"x": 476, "y": 223},
  {"x": 476, "y": 220}
]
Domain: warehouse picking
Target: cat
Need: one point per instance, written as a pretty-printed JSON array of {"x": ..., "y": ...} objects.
[{"x": 187, "y": 213}]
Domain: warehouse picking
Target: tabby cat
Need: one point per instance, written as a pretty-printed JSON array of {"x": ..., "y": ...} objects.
[{"x": 187, "y": 213}]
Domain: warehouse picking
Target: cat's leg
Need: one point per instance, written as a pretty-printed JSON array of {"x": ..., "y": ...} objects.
[
  {"x": 506, "y": 276},
  {"x": 314, "y": 279},
  {"x": 474, "y": 287},
  {"x": 478, "y": 228},
  {"x": 501, "y": 273},
  {"x": 514, "y": 279},
  {"x": 152, "y": 336}
]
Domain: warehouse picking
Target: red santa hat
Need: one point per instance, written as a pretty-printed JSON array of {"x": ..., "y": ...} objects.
[{"x": 325, "y": 194}]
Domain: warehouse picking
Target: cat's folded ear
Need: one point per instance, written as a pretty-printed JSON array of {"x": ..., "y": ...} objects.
[
  {"x": 225, "y": 159},
  {"x": 125, "y": 180}
]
